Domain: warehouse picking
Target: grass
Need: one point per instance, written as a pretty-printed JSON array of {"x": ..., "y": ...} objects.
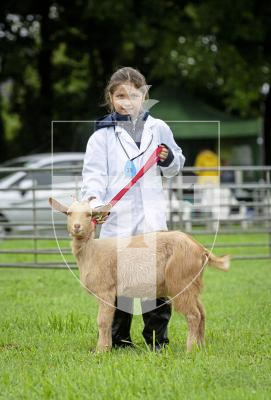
[
  {"x": 48, "y": 329},
  {"x": 26, "y": 244},
  {"x": 238, "y": 241}
]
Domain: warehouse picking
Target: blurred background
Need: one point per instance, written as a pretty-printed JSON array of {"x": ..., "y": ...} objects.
[{"x": 206, "y": 60}]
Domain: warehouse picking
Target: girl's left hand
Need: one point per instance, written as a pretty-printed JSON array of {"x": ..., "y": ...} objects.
[{"x": 164, "y": 153}]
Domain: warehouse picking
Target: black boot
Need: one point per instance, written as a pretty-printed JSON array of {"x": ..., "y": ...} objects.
[
  {"x": 121, "y": 325},
  {"x": 156, "y": 320}
]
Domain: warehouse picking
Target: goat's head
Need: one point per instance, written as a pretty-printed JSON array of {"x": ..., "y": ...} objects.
[{"x": 81, "y": 218}]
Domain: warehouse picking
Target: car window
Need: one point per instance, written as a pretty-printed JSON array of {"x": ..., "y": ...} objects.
[
  {"x": 44, "y": 178},
  {"x": 64, "y": 176},
  {"x": 35, "y": 178},
  {"x": 13, "y": 164},
  {"x": 68, "y": 174}
]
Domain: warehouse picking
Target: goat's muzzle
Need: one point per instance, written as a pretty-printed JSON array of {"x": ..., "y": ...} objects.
[{"x": 76, "y": 230}]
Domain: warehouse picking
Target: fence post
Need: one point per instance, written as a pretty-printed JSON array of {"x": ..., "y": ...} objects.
[
  {"x": 268, "y": 209},
  {"x": 35, "y": 235}
]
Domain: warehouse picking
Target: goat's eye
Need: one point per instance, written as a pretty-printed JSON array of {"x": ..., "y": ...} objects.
[{"x": 89, "y": 215}]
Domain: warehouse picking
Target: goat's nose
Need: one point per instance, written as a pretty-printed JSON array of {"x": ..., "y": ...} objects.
[{"x": 76, "y": 226}]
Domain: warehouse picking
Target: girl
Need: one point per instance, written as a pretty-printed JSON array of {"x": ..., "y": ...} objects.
[{"x": 119, "y": 147}]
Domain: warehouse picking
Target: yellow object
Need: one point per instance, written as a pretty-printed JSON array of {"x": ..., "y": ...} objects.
[{"x": 206, "y": 159}]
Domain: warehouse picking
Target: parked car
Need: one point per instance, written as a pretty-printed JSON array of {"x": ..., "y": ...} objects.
[
  {"x": 24, "y": 194},
  {"x": 20, "y": 162}
]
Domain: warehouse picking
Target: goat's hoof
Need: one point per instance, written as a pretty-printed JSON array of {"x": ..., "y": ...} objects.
[
  {"x": 102, "y": 349},
  {"x": 92, "y": 350},
  {"x": 193, "y": 346}
]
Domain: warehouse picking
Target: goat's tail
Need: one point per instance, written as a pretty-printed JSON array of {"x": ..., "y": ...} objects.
[{"x": 222, "y": 263}]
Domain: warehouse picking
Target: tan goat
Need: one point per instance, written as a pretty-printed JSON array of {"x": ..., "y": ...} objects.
[{"x": 180, "y": 261}]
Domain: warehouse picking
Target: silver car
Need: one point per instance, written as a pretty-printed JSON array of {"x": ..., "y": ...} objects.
[{"x": 24, "y": 192}]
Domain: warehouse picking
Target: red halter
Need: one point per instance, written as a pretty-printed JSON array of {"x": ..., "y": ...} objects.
[{"x": 153, "y": 159}]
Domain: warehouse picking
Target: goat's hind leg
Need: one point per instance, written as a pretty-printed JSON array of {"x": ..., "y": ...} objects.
[
  {"x": 201, "y": 332},
  {"x": 188, "y": 306},
  {"x": 105, "y": 319}
]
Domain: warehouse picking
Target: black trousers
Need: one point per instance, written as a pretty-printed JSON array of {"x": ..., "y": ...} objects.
[{"x": 155, "y": 320}]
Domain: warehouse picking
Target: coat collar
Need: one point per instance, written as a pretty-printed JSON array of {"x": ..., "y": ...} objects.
[
  {"x": 111, "y": 120},
  {"x": 114, "y": 118},
  {"x": 147, "y": 137}
]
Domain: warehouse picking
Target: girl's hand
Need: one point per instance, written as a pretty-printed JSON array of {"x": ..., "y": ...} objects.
[
  {"x": 100, "y": 214},
  {"x": 164, "y": 153},
  {"x": 101, "y": 219}
]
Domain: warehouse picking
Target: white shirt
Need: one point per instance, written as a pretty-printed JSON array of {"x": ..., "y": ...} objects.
[{"x": 142, "y": 209}]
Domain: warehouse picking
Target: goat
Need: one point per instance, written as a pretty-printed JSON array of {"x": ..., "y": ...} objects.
[{"x": 180, "y": 261}]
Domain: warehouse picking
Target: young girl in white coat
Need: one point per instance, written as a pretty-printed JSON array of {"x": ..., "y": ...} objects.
[{"x": 121, "y": 144}]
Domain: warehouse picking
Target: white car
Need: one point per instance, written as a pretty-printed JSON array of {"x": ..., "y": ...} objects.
[{"x": 24, "y": 194}]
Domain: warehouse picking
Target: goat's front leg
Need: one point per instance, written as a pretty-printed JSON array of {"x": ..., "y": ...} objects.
[{"x": 105, "y": 319}]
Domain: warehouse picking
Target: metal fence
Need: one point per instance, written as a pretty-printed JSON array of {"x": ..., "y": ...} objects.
[{"x": 235, "y": 211}]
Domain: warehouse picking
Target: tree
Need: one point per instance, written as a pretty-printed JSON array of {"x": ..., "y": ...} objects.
[
  {"x": 27, "y": 43},
  {"x": 226, "y": 57},
  {"x": 247, "y": 29},
  {"x": 59, "y": 57}
]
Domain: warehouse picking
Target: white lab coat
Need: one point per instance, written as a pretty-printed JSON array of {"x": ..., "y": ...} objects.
[{"x": 142, "y": 209}]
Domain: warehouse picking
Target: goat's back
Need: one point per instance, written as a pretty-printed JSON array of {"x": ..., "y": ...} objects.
[{"x": 139, "y": 266}]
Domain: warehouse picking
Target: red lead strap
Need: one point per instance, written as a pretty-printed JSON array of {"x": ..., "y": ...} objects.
[{"x": 150, "y": 162}]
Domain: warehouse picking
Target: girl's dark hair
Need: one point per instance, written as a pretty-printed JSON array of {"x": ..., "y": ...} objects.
[{"x": 121, "y": 75}]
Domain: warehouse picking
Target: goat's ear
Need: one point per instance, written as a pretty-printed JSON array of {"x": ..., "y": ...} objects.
[{"x": 55, "y": 205}]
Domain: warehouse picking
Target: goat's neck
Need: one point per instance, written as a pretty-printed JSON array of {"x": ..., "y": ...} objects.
[{"x": 82, "y": 246}]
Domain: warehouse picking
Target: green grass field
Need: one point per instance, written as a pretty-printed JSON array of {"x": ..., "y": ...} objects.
[
  {"x": 48, "y": 329},
  {"x": 256, "y": 244}
]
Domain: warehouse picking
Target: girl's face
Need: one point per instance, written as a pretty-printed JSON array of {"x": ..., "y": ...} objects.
[{"x": 127, "y": 99}]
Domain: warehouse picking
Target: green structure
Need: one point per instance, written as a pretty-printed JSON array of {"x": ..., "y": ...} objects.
[{"x": 196, "y": 126}]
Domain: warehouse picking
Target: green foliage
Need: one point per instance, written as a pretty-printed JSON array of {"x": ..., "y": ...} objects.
[{"x": 59, "y": 56}]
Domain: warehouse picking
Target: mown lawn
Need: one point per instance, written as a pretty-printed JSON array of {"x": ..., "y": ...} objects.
[
  {"x": 251, "y": 244},
  {"x": 48, "y": 329}
]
